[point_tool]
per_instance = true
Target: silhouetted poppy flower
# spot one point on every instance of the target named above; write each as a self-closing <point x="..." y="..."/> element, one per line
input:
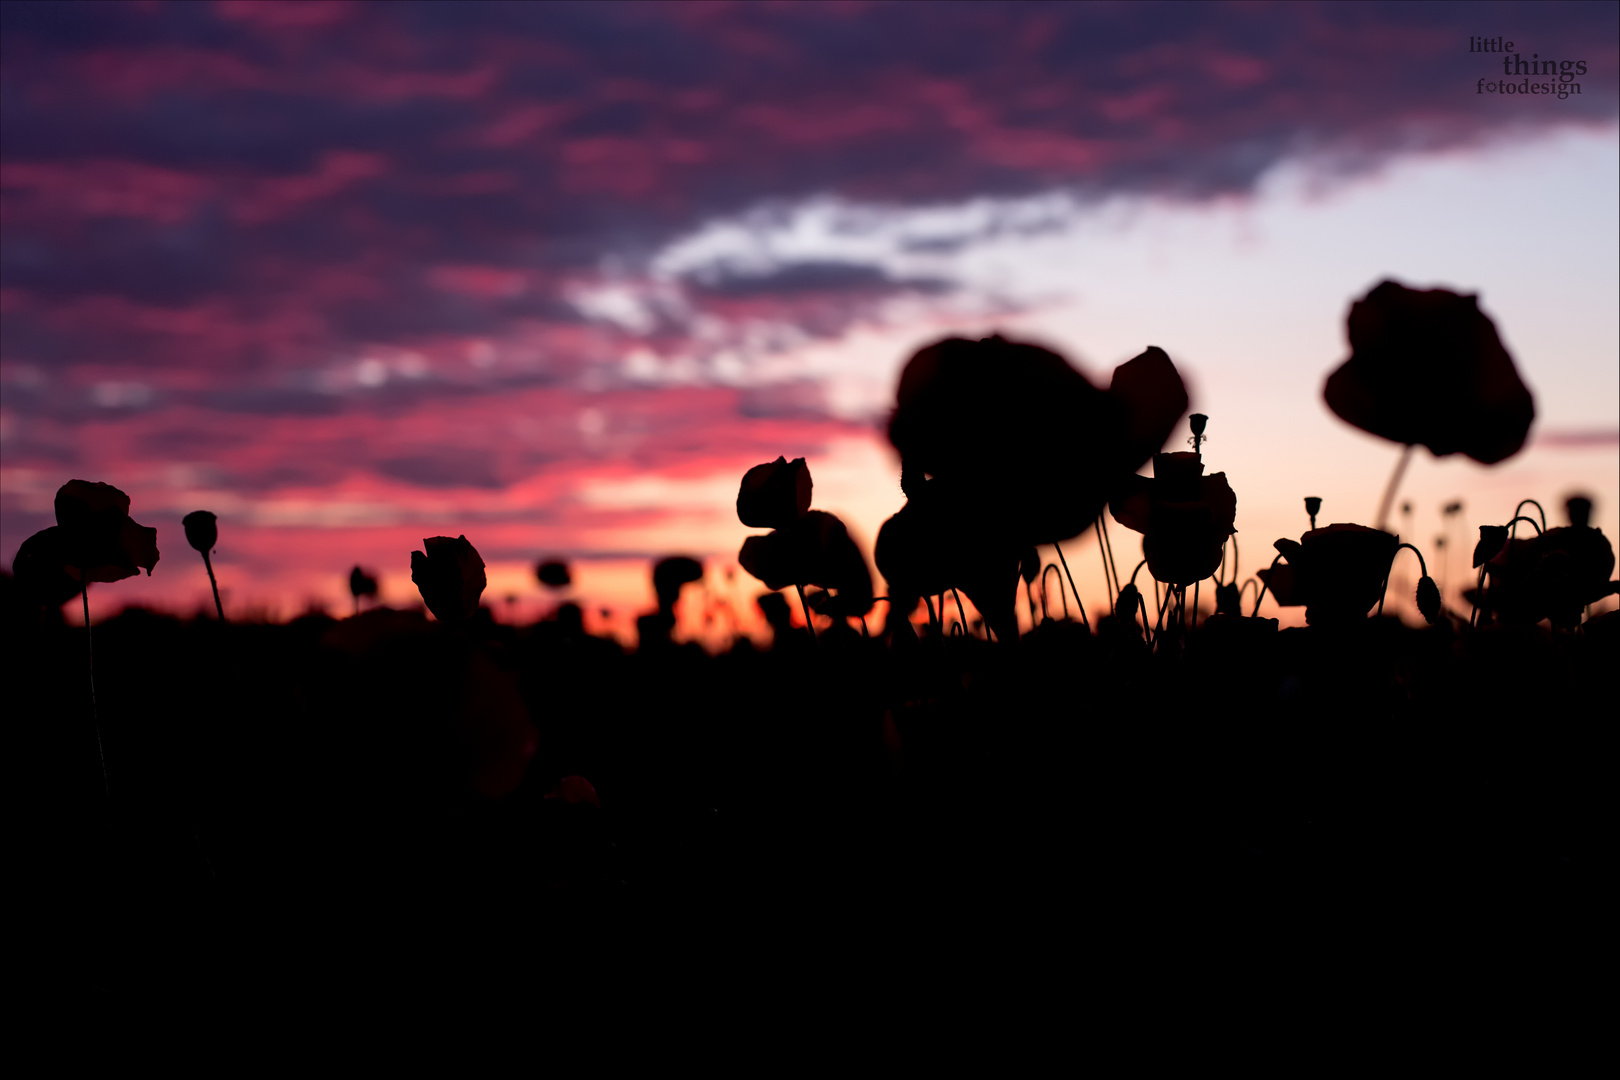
<point x="814" y="550"/>
<point x="1228" y="599"/>
<point x="1184" y="517"/>
<point x="669" y="574"/>
<point x="553" y="574"/>
<point x="202" y="530"/>
<point x="940" y="540"/>
<point x="98" y="540"/>
<point x="1427" y="367"/>
<point x="1127" y="604"/>
<point x="1023" y="437"/>
<point x="774" y="495"/>
<point x="450" y="577"/>
<point x="1337" y="572"/>
<point x="1551" y="576"/>
<point x="38" y="569"/>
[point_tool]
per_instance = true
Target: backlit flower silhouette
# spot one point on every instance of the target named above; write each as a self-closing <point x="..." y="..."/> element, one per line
<point x="1337" y="572"/>
<point x="804" y="547"/>
<point x="450" y="577"/>
<point x="1184" y="517"/>
<point x="97" y="539"/>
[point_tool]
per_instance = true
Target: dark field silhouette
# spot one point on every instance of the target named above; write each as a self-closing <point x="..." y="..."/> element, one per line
<point x="371" y="806"/>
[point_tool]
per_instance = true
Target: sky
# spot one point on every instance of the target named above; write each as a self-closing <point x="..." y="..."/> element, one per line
<point x="553" y="276"/>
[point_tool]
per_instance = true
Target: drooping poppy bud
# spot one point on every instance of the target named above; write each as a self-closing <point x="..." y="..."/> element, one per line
<point x="553" y="574"/>
<point x="1428" y="599"/>
<point x="361" y="584"/>
<point x="1130" y="598"/>
<point x="450" y="577"/>
<point x="202" y="530"/>
<point x="774" y="495"/>
<point x="1492" y="538"/>
<point x="669" y="574"/>
<point x="99" y="541"/>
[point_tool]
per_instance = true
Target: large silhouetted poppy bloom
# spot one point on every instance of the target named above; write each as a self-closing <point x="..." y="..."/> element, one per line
<point x="1337" y="572"/>
<point x="38" y="570"/>
<point x="1551" y="576"/>
<point x="774" y="495"/>
<point x="450" y="577"/>
<point x="939" y="541"/>
<point x="1427" y="367"/>
<point x="1184" y="517"/>
<point x="669" y="574"/>
<point x="97" y="540"/>
<point x="815" y="550"/>
<point x="1025" y="437"/>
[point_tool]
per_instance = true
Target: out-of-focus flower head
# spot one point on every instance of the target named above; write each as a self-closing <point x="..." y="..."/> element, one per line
<point x="553" y="574"/>
<point x="941" y="540"/>
<point x="774" y="495"/>
<point x="202" y="530"/>
<point x="361" y="583"/>
<point x="1025" y="437"/>
<point x="98" y="540"/>
<point x="1184" y="517"/>
<point x="669" y="574"/>
<point x="816" y="549"/>
<point x="1337" y="572"/>
<point x="1427" y="367"/>
<point x="450" y="577"/>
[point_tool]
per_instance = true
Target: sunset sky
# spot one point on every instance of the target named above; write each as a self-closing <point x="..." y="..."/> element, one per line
<point x="553" y="276"/>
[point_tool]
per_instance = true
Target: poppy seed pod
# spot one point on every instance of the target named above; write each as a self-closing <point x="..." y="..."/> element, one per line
<point x="1198" y="422"/>
<point x="1428" y="599"/>
<point x="98" y="539"/>
<point x="1579" y="509"/>
<point x="774" y="495"/>
<point x="450" y="577"/>
<point x="1313" y="505"/>
<point x="553" y="574"/>
<point x="1427" y="367"/>
<point x="202" y="530"/>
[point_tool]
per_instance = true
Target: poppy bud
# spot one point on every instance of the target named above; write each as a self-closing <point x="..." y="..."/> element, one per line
<point x="1125" y="607"/>
<point x="361" y="583"/>
<point x="1198" y="421"/>
<point x="450" y="577"/>
<point x="1029" y="567"/>
<point x="774" y="495"/>
<point x="202" y="530"/>
<point x="1492" y="538"/>
<point x="1579" y="509"/>
<point x="1428" y="599"/>
<point x="1228" y="599"/>
<point x="553" y="574"/>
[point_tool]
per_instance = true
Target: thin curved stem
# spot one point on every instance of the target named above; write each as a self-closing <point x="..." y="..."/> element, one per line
<point x="1050" y="568"/>
<point x="1539" y="510"/>
<point x="1393" y="485"/>
<point x="1138" y="570"/>
<point x="933" y="619"/>
<point x="1423" y="569"/>
<point x="1196" y="584"/>
<point x="1078" y="602"/>
<point x="95" y="712"/>
<point x="1530" y="521"/>
<point x="809" y="616"/>
<point x="960" y="613"/>
<point x="1245" y="588"/>
<point x="1109" y="584"/>
<point x="1233" y="538"/>
<point x="218" y="607"/>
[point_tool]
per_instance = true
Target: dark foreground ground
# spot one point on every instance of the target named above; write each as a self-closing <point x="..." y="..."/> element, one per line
<point x="293" y="817"/>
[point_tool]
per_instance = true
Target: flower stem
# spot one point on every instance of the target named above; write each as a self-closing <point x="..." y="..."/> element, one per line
<point x="218" y="607"/>
<point x="961" y="614"/>
<point x="809" y="619"/>
<point x="1078" y="602"/>
<point x="1394" y="483"/>
<point x="1531" y="502"/>
<point x="1061" y="594"/>
<point x="1264" y="585"/>
<point x="95" y="713"/>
